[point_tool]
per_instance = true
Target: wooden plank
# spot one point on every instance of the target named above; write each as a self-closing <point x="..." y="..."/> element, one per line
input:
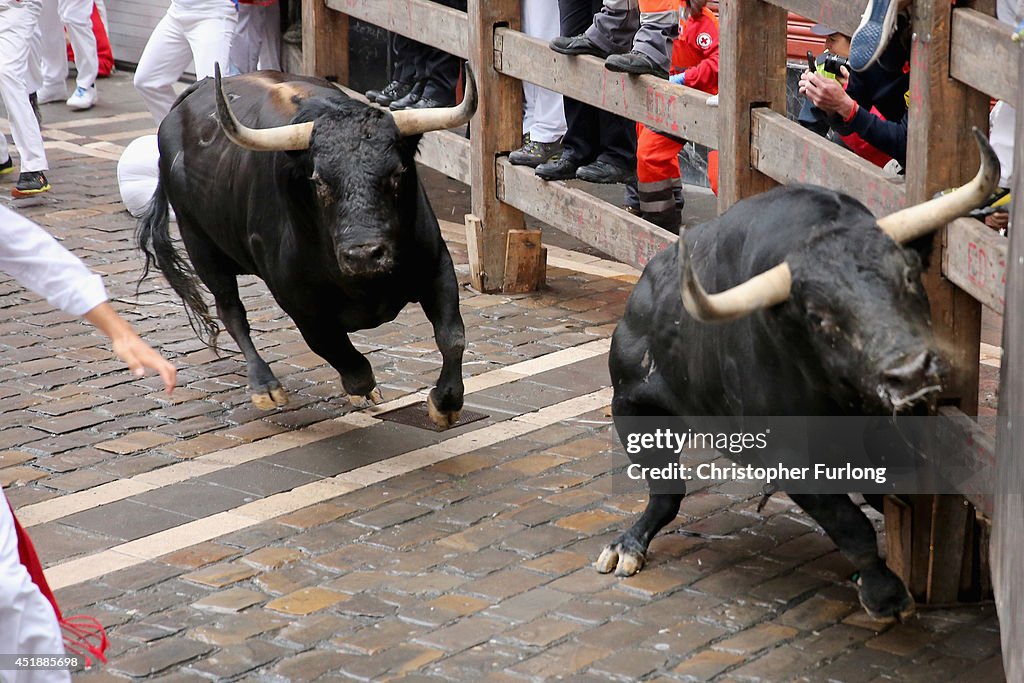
<point x="524" y="262"/>
<point x="920" y="545"/>
<point x="941" y="154"/>
<point x="983" y="56"/>
<point x="496" y="130"/>
<point x="950" y="516"/>
<point x="652" y="101"/>
<point x="1008" y="517"/>
<point x="424" y="21"/>
<point x="474" y="235"/>
<point x="614" y="231"/>
<point x="898" y="529"/>
<point x="789" y="153"/>
<point x="324" y="41"/>
<point x="838" y="15"/>
<point x="974" y="259"/>
<point x="978" y="446"/>
<point x="752" y="74"/>
<point x="446" y="152"/>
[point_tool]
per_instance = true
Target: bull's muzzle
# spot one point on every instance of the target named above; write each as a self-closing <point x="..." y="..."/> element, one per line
<point x="365" y="260"/>
<point x="911" y="379"/>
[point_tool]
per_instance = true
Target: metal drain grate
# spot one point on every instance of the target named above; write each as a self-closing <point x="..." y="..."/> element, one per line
<point x="417" y="416"/>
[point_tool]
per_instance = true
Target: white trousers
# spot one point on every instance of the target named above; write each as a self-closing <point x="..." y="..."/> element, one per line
<point x="28" y="624"/>
<point x="76" y="15"/>
<point x="178" y="39"/>
<point x="257" y="42"/>
<point x="48" y="57"/>
<point x="17" y="25"/>
<point x="543" y="116"/>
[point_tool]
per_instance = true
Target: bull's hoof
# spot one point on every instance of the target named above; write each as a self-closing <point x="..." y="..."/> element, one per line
<point x="624" y="556"/>
<point x="374" y="398"/>
<point x="884" y="596"/>
<point x="269" y="400"/>
<point x="442" y="418"/>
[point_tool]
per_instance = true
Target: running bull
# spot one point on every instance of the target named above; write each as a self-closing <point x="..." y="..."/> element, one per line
<point x="819" y="310"/>
<point x="317" y="195"/>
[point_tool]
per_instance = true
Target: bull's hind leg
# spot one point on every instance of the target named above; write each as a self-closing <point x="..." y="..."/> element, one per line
<point x="627" y="554"/>
<point x="334" y="346"/>
<point x="441" y="306"/>
<point x="218" y="274"/>
<point x="881" y="592"/>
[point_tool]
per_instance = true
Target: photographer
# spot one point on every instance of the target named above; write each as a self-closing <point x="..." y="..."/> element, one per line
<point x="871" y="104"/>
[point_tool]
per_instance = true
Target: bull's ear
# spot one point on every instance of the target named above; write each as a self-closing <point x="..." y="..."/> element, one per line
<point x="407" y="148"/>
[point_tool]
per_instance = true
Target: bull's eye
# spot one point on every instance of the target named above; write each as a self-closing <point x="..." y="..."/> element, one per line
<point x="323" y="190"/>
<point x="395" y="182"/>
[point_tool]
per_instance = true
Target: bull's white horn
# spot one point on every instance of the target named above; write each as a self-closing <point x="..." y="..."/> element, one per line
<point x="419" y="121"/>
<point x="278" y="139"/>
<point x="761" y="291"/>
<point x="916" y="221"/>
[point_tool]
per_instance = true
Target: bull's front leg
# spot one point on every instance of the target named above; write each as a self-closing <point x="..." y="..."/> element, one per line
<point x="336" y="348"/>
<point x="441" y="305"/>
<point x="627" y="554"/>
<point x="881" y="592"/>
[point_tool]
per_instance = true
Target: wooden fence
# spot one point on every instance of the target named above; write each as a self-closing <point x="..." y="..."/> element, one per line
<point x="961" y="58"/>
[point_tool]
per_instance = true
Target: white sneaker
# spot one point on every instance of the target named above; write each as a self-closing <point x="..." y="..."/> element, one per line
<point x="82" y="98"/>
<point x="56" y="93"/>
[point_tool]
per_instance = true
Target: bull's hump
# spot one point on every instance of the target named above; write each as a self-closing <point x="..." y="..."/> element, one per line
<point x="283" y="97"/>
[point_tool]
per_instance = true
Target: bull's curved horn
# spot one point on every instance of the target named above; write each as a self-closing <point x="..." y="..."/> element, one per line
<point x="917" y="221"/>
<point x="277" y="139"/>
<point x="418" y="121"/>
<point x="761" y="291"/>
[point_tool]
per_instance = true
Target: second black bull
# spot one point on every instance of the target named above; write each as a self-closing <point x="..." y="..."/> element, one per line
<point x="818" y="311"/>
<point x="317" y="195"/>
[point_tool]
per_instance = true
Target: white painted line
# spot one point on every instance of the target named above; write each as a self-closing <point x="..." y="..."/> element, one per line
<point x="136" y="552"/>
<point x="62" y="506"/>
<point x="98" y="120"/>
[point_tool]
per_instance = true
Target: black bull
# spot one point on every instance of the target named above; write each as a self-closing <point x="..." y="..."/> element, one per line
<point x="837" y="323"/>
<point x="324" y="204"/>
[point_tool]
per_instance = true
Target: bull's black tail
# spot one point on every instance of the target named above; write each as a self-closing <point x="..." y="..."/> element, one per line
<point x="153" y="237"/>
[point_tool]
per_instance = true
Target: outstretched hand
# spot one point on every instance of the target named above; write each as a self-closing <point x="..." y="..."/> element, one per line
<point x="129" y="347"/>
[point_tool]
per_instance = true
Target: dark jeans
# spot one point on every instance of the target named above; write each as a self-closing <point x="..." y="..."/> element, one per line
<point x="593" y="134"/>
<point x="418" y="62"/>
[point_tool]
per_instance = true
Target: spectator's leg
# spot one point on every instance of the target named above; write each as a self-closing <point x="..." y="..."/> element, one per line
<point x="442" y="69"/>
<point x="659" y="27"/>
<point x="545" y="113"/>
<point x="582" y="124"/>
<point x="270" y="43"/>
<point x="613" y="27"/>
<point x="245" y="47"/>
<point x="658" y="178"/>
<point x="163" y="60"/>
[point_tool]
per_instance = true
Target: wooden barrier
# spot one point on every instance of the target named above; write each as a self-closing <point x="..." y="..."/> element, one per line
<point x="960" y="57"/>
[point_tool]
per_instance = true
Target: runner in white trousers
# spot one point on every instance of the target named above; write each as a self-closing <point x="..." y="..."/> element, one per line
<point x="191" y="30"/>
<point x="76" y="16"/>
<point x="18" y="19"/>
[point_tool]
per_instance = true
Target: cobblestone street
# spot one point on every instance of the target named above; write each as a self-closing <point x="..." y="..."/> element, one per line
<point x="216" y="541"/>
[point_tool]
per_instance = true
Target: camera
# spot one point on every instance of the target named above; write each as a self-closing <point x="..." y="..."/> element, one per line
<point x="832" y="63"/>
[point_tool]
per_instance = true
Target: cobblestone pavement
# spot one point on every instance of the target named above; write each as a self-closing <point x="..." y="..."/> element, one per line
<point x="216" y="541"/>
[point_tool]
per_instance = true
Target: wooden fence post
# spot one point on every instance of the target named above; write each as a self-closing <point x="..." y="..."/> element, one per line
<point x="496" y="129"/>
<point x="939" y="156"/>
<point x="1008" y="516"/>
<point x="324" y="42"/>
<point x="752" y="74"/>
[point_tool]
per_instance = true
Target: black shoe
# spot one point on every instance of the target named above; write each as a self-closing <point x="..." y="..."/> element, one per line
<point x="534" y="153"/>
<point x="30" y="183"/>
<point x="7" y="166"/>
<point x="634" y="63"/>
<point x="427" y="103"/>
<point x="576" y="45"/>
<point x="409" y="99"/>
<point x="603" y="172"/>
<point x="389" y="93"/>
<point x="559" y="169"/>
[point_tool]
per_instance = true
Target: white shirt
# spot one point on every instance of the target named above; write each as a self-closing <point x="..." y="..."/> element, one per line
<point x="32" y="257"/>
